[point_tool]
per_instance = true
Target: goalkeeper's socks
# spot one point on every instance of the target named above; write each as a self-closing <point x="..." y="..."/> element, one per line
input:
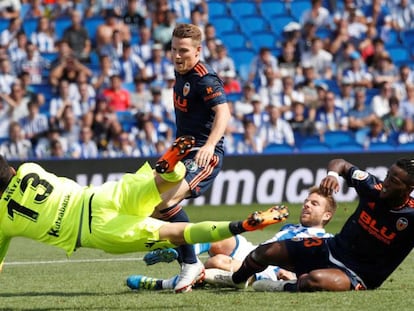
<point x="177" y="174"/>
<point x="207" y="231"/>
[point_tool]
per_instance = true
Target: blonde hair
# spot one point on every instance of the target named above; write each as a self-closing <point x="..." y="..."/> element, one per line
<point x="330" y="201"/>
<point x="188" y="31"/>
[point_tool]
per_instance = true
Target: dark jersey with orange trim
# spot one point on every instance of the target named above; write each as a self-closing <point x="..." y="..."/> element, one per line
<point x="375" y="239"/>
<point x="195" y="93"/>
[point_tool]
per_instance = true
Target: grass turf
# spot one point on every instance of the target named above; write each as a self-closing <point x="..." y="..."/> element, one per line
<point x="40" y="277"/>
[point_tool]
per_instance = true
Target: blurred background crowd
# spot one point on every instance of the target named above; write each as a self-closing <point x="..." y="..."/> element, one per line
<point x="94" y="78"/>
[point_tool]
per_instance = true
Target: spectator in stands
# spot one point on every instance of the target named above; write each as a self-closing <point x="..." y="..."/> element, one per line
<point x="210" y="54"/>
<point x="223" y="62"/>
<point x="8" y="37"/>
<point x="258" y="115"/>
<point x="86" y="147"/>
<point x="70" y="126"/>
<point x="131" y="65"/>
<point x="270" y="92"/>
<point x="144" y="48"/>
<point x="308" y="34"/>
<point x="210" y="38"/>
<point x="243" y="105"/>
<point x="140" y="95"/>
<point x="104" y="31"/>
<point x="104" y="123"/>
<point x="231" y="84"/>
<point x="158" y="66"/>
<point x="133" y="18"/>
<point x="288" y="95"/>
<point x="36" y="9"/>
<point x="101" y="78"/>
<point x="380" y="102"/>
<point x="346" y="99"/>
<point x="44" y="36"/>
<point x="376" y="133"/>
<point x="329" y="117"/>
<point x="66" y="66"/>
<point x="28" y="89"/>
<point x="86" y="102"/>
<point x="379" y="49"/>
<point x="378" y="13"/>
<point x="74" y="87"/>
<point x="402" y="16"/>
<point x="118" y="97"/>
<point x="43" y="149"/>
<point x="34" y="64"/>
<point x="17" y="52"/>
<point x="157" y="111"/>
<point x="393" y="120"/>
<point x="59" y="102"/>
<point x="308" y="88"/>
<point x="122" y="146"/>
<point x="10" y="9"/>
<point x="62" y="9"/>
<point x="405" y="78"/>
<point x="78" y="38"/>
<point x="35" y="124"/>
<point x="288" y="60"/>
<point x="16" y="147"/>
<point x="162" y="32"/>
<point x="407" y="105"/>
<point x="319" y="58"/>
<point x="318" y="14"/>
<point x="57" y="151"/>
<point x="357" y="72"/>
<point x="7" y="76"/>
<point x="407" y="133"/>
<point x="276" y="130"/>
<point x="357" y="26"/>
<point x="251" y="142"/>
<point x="147" y="136"/>
<point x="299" y="120"/>
<point x="16" y="101"/>
<point x="114" y="48"/>
<point x="258" y="65"/>
<point x="4" y="119"/>
<point x="167" y="93"/>
<point x="361" y="115"/>
<point x="340" y="39"/>
<point x="385" y="71"/>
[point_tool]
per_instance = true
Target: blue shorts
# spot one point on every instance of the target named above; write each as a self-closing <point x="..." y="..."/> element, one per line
<point x="198" y="178"/>
<point x="309" y="254"/>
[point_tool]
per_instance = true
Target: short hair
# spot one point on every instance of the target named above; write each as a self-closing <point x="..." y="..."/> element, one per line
<point x="188" y="31"/>
<point x="5" y="174"/>
<point x="407" y="165"/>
<point x="331" y="205"/>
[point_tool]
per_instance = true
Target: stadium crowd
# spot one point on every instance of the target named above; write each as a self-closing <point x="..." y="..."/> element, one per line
<point x="87" y="79"/>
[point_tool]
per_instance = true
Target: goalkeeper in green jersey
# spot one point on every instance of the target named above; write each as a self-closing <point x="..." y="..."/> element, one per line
<point x="114" y="217"/>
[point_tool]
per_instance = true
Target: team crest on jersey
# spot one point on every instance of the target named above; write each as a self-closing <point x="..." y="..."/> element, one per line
<point x="402" y="223"/>
<point x="359" y="175"/>
<point x="186" y="88"/>
<point x="190" y="165"/>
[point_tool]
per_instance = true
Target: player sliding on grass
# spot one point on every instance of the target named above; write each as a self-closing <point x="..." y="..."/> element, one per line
<point x="114" y="217"/>
<point x="317" y="210"/>
<point x="371" y="245"/>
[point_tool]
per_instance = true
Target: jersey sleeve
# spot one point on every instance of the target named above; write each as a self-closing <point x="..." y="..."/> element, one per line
<point x="211" y="90"/>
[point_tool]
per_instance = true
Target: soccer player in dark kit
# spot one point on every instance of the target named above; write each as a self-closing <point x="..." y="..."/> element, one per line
<point x="201" y="111"/>
<point x="371" y="245"/>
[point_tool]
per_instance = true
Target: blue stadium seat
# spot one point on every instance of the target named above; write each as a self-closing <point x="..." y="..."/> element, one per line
<point x="242" y="56"/>
<point x="268" y="8"/>
<point x="348" y="147"/>
<point x="127" y="120"/>
<point x="297" y="7"/>
<point x="253" y="23"/>
<point x="50" y="56"/>
<point x="91" y="24"/>
<point x="398" y="53"/>
<point x="335" y="138"/>
<point x="278" y="149"/>
<point x="278" y="22"/>
<point x="263" y="39"/>
<point x="315" y="148"/>
<point x="60" y="25"/>
<point x="217" y="8"/>
<point x="405" y="147"/>
<point x="241" y="8"/>
<point x="29" y="26"/>
<point x="4" y="23"/>
<point x="234" y="40"/>
<point x="382" y="146"/>
<point x="224" y="23"/>
<point x="408" y="37"/>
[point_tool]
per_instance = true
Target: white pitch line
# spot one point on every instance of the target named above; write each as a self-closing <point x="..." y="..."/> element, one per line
<point x="21" y="263"/>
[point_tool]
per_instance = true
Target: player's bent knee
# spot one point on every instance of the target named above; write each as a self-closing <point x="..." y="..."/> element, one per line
<point x="324" y="280"/>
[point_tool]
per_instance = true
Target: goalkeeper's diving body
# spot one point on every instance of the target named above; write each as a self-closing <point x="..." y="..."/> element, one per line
<point x="113" y="217"/>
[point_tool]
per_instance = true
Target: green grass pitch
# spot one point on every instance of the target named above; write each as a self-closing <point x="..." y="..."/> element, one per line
<point x="40" y="277"/>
